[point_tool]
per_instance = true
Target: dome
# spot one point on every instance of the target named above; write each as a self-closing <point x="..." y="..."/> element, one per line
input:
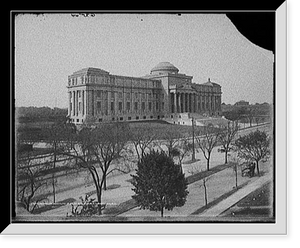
<point x="164" y="67"/>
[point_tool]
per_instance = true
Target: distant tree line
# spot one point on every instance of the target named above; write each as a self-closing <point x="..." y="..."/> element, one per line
<point x="247" y="113"/>
<point x="38" y="114"/>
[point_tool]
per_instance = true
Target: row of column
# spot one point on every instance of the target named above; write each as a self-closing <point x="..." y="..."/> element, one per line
<point x="109" y="100"/>
<point x="76" y="103"/>
<point x="191" y="102"/>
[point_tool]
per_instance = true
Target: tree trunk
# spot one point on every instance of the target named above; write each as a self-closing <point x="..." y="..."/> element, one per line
<point x="53" y="178"/>
<point x="226" y="157"/>
<point x="236" y="176"/>
<point x="257" y="167"/>
<point x="205" y="192"/>
<point x="104" y="183"/>
<point x="207" y="164"/>
<point x="53" y="187"/>
<point x="162" y="211"/>
<point x="99" y="201"/>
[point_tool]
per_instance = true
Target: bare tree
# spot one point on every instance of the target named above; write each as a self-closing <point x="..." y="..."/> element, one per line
<point x="55" y="139"/>
<point x="142" y="138"/>
<point x="204" y="180"/>
<point x="207" y="142"/>
<point x="235" y="161"/>
<point x="110" y="144"/>
<point x="185" y="148"/>
<point x="29" y="181"/>
<point x="253" y="147"/>
<point x="96" y="149"/>
<point x="171" y="138"/>
<point x="226" y="137"/>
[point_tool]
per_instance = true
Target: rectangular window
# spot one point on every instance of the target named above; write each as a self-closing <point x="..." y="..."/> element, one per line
<point x="99" y="93"/>
<point x="98" y="107"/>
<point x="143" y="106"/>
<point x="129" y="118"/>
<point x="135" y="106"/>
<point x="128" y="106"/>
<point x="150" y="106"/>
<point x="127" y="95"/>
<point x="104" y="94"/>
<point x="137" y="117"/>
<point x="120" y="106"/>
<point x="112" y="106"/>
<point x="120" y="95"/>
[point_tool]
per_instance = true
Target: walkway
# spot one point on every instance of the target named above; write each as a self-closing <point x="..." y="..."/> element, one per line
<point x="216" y="210"/>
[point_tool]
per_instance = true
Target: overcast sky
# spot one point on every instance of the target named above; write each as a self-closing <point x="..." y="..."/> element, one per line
<point x="50" y="47"/>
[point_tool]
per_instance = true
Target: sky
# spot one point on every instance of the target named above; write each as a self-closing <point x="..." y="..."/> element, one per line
<point x="52" y="46"/>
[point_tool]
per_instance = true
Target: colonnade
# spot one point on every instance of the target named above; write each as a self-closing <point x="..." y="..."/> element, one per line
<point x="77" y="102"/>
<point x="194" y="103"/>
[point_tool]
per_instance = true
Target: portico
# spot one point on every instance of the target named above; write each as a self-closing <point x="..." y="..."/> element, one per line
<point x="195" y="98"/>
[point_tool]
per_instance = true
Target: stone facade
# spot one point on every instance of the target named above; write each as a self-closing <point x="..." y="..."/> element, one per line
<point x="96" y="96"/>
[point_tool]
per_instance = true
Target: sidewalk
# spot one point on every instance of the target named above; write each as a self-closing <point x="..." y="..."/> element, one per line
<point x="218" y="185"/>
<point x="234" y="198"/>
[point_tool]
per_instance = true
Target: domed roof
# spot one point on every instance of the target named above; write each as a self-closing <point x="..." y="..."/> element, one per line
<point x="163" y="67"/>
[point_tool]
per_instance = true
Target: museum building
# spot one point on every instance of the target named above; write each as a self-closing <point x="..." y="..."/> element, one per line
<point x="97" y="96"/>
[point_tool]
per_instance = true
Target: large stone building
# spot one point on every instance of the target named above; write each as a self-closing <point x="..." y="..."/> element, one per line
<point x="96" y="96"/>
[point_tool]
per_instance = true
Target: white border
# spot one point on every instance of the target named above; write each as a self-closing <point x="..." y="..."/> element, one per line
<point x="277" y="228"/>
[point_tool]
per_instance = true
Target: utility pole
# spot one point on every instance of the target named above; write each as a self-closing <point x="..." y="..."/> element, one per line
<point x="193" y="154"/>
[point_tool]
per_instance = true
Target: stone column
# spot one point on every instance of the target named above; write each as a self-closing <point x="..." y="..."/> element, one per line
<point x="170" y="102"/>
<point x="193" y="103"/>
<point x="93" y="102"/>
<point x="183" y="102"/>
<point x="175" y="102"/>
<point x="69" y="103"/>
<point x="116" y="102"/>
<point x="179" y="102"/>
<point x="189" y="102"/>
<point x="73" y="102"/>
<point x="186" y="102"/>
<point x="83" y="103"/>
<point x="76" y="103"/>
<point x="196" y="103"/>
<point x="108" y="102"/>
